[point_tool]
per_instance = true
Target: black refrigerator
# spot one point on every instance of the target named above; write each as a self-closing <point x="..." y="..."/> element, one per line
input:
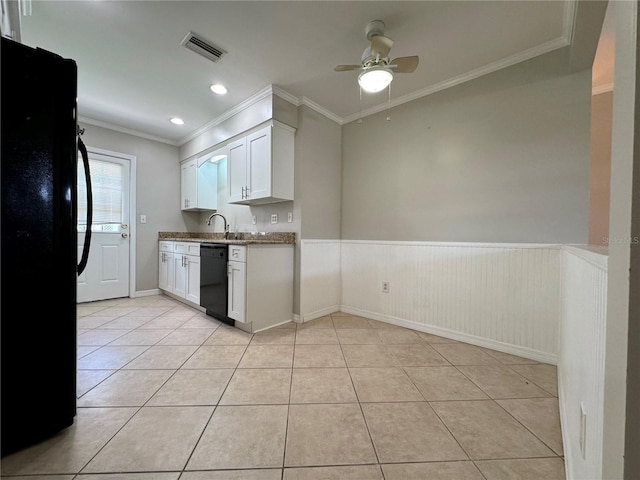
<point x="39" y="252"/>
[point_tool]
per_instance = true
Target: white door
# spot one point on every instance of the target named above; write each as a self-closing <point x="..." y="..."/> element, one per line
<point x="107" y="273"/>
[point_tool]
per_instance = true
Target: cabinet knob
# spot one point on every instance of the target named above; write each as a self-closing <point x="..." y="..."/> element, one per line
<point x="124" y="235"/>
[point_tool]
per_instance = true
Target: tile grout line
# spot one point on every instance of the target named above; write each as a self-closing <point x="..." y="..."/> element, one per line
<point x="495" y="400"/>
<point x="215" y="407"/>
<point x="290" y="392"/>
<point x="364" y="418"/>
<point x="286" y="427"/>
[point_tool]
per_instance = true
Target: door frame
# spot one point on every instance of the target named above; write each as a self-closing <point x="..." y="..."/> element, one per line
<point x="132" y="210"/>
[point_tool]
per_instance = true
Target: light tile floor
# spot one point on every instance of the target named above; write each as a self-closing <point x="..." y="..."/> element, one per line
<point x="166" y="393"/>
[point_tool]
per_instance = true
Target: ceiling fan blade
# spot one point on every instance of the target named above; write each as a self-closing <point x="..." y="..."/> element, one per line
<point x="346" y="68"/>
<point x="381" y="45"/>
<point x="404" y="64"/>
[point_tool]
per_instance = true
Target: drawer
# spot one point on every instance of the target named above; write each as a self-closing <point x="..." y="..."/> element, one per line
<point x="238" y="253"/>
<point x="166" y="246"/>
<point x="188" y="248"/>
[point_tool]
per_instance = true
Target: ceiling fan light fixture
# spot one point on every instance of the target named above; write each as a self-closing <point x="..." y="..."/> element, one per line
<point x="375" y="79"/>
<point x="218" y="89"/>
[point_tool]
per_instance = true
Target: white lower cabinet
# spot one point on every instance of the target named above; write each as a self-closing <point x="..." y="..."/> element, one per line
<point x="165" y="266"/>
<point x="236" y="304"/>
<point x="179" y="269"/>
<point x="260" y="285"/>
<point x="260" y="281"/>
<point x="192" y="287"/>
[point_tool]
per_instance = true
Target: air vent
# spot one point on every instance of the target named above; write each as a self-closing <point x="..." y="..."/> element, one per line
<point x="203" y="47"/>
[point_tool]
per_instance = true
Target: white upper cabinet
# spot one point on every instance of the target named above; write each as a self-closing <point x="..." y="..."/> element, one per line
<point x="260" y="166"/>
<point x="189" y="184"/>
<point x="237" y="171"/>
<point x="199" y="184"/>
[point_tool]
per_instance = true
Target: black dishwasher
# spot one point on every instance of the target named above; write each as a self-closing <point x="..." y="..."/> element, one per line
<point x="213" y="280"/>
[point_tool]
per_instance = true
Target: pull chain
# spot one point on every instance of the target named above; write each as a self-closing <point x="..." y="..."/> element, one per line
<point x="360" y="112"/>
<point x="389" y="105"/>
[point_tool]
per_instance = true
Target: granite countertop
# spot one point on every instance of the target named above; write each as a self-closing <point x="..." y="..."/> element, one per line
<point x="243" y="238"/>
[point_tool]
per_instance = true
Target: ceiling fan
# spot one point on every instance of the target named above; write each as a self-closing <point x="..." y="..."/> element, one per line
<point x="377" y="69"/>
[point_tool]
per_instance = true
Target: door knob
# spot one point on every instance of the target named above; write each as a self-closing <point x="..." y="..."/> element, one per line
<point x="124" y="235"/>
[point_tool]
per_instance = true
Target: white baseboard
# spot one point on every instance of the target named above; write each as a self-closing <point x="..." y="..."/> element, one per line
<point x="454" y="335"/>
<point x="566" y="444"/>
<point x="272" y="326"/>
<point x="147" y="293"/>
<point x="320" y="313"/>
<point x="183" y="300"/>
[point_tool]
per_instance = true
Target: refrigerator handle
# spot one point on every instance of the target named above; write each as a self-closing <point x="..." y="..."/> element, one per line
<point x="87" y="234"/>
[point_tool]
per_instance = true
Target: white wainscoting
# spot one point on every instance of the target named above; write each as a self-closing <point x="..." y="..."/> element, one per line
<point x="581" y="363"/>
<point x="545" y="302"/>
<point x="320" y="281"/>
<point x="500" y="296"/>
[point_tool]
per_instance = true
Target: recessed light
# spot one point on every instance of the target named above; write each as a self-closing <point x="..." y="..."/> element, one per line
<point x="219" y="89"/>
<point x="177" y="121"/>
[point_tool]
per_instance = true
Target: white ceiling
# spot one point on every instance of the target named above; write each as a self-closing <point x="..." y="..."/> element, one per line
<point x="134" y="74"/>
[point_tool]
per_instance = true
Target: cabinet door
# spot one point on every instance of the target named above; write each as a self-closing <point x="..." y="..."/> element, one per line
<point x="207" y="185"/>
<point x="237" y="171"/>
<point x="179" y="275"/>
<point x="259" y="161"/>
<point x="192" y="289"/>
<point x="189" y="185"/>
<point x="165" y="271"/>
<point x="237" y="291"/>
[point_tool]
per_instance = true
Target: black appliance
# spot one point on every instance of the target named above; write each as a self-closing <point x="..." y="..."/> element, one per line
<point x="39" y="244"/>
<point x="214" y="280"/>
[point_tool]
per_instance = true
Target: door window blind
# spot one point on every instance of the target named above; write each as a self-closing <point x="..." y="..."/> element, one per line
<point x="106" y="183"/>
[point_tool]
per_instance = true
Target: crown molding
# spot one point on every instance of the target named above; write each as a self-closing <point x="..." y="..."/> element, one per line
<point x="465" y="77"/>
<point x="569" y="14"/>
<point x="607" y="87"/>
<point x="256" y="97"/>
<point x="569" y="20"/>
<point x="279" y="92"/>
<point x="321" y="110"/>
<point x="128" y="131"/>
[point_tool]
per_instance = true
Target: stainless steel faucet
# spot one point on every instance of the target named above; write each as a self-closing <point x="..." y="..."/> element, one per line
<point x="226" y="225"/>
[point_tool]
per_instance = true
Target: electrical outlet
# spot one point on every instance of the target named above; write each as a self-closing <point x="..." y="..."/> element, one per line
<point x="289" y="217"/>
<point x="385" y="287"/>
<point x="254" y="220"/>
<point x="143" y="219"/>
<point x="274" y="218"/>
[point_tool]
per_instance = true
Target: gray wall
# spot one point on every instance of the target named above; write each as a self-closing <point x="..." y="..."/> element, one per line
<point x="157" y="194"/>
<point x="319" y="169"/>
<point x="503" y="158"/>
<point x="317" y="174"/>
